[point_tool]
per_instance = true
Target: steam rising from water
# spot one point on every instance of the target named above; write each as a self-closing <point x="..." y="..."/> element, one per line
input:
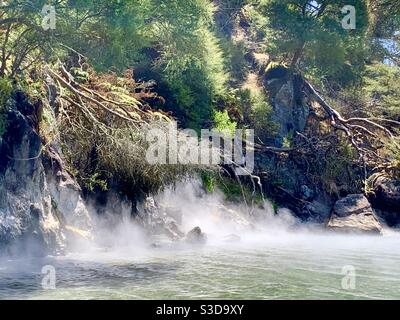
<point x="226" y="225"/>
<point x="216" y="218"/>
<point x="275" y="259"/>
<point x="256" y="227"/>
<point x="196" y="208"/>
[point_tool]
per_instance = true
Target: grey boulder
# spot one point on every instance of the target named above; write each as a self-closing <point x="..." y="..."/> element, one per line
<point x="354" y="214"/>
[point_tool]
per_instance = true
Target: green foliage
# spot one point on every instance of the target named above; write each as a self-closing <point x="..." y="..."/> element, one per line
<point x="275" y="206"/>
<point x="309" y="35"/>
<point x="288" y="140"/>
<point x="338" y="174"/>
<point x="382" y="87"/>
<point x="111" y="33"/>
<point x="104" y="151"/>
<point x="197" y="84"/>
<point x="385" y="18"/>
<point x="5" y="92"/>
<point x="260" y="117"/>
<point x="257" y="112"/>
<point x="180" y="28"/>
<point x="230" y="188"/>
<point x="79" y="74"/>
<point x="235" y="192"/>
<point x="208" y="180"/>
<point x="393" y="147"/>
<point x="94" y="182"/>
<point x="116" y="35"/>
<point x="236" y="63"/>
<point x="223" y="123"/>
<point x="258" y="20"/>
<point x="33" y="87"/>
<point x="179" y="43"/>
<point x="49" y="130"/>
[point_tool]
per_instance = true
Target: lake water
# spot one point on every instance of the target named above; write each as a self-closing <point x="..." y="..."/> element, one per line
<point x="276" y="265"/>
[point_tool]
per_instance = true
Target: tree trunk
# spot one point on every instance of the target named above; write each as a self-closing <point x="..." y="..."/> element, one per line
<point x="297" y="55"/>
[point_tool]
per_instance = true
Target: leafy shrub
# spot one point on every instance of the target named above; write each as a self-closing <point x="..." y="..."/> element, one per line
<point x="106" y="150"/>
<point x="196" y="84"/>
<point x="208" y="180"/>
<point x="5" y="90"/>
<point x="338" y="173"/>
<point x="223" y="123"/>
<point x="230" y="188"/>
<point x="381" y="84"/>
<point x="394" y="149"/>
<point x="257" y="113"/>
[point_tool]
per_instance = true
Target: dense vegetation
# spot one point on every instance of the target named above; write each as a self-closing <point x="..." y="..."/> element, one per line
<point x="196" y="60"/>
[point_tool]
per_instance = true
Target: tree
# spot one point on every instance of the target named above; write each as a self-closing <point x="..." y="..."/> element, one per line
<point x="22" y="38"/>
<point x="382" y="87"/>
<point x="309" y="36"/>
<point x="173" y="38"/>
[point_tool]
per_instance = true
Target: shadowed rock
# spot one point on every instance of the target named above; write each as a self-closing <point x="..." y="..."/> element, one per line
<point x="196" y="236"/>
<point x="386" y="198"/>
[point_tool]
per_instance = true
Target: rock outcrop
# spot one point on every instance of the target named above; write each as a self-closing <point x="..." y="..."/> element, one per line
<point x="42" y="207"/>
<point x="196" y="236"/>
<point x="385" y="197"/>
<point x="159" y="220"/>
<point x="354" y="214"/>
<point x="27" y="214"/>
<point x="290" y="112"/>
<point x="38" y="198"/>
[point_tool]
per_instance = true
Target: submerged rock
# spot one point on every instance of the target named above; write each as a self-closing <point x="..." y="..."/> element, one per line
<point x="196" y="236"/>
<point x="354" y="214"/>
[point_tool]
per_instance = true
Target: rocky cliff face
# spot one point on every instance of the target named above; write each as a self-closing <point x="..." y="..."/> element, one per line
<point x="42" y="206"/>
<point x="38" y="198"/>
<point x="290" y="111"/>
<point x="288" y="177"/>
<point x="285" y="175"/>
